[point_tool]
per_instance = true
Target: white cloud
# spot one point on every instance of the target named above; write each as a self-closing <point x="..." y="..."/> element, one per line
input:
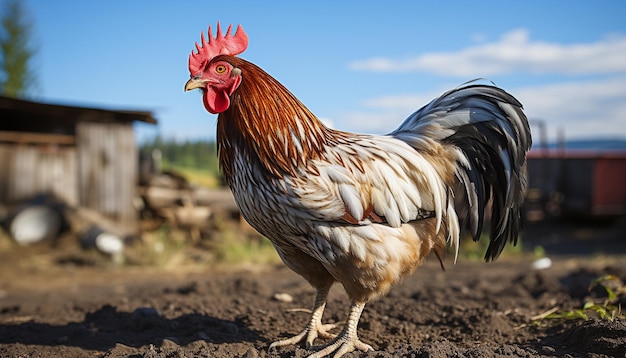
<point x="384" y="114"/>
<point x="591" y="103"/>
<point x="592" y="108"/>
<point x="580" y="108"/>
<point x="513" y="52"/>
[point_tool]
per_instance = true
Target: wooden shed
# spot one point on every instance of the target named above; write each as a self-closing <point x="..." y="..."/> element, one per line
<point x="85" y="157"/>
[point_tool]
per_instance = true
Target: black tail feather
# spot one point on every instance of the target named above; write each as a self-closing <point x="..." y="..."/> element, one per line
<point x="491" y="132"/>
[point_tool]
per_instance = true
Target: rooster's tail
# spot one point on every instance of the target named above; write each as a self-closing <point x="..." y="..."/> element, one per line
<point x="491" y="135"/>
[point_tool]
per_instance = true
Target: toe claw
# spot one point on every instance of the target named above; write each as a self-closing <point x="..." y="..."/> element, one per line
<point x="308" y="335"/>
<point x="285" y="342"/>
<point x="340" y="346"/>
<point x="321" y="332"/>
<point x="363" y="346"/>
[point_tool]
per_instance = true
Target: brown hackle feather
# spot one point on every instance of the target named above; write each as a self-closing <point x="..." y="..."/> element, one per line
<point x="261" y="119"/>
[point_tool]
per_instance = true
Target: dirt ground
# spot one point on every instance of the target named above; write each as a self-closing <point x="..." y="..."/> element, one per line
<point x="55" y="305"/>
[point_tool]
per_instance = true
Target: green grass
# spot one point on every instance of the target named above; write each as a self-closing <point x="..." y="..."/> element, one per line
<point x="202" y="177"/>
<point x="607" y="308"/>
<point x="227" y="247"/>
<point x="160" y="248"/>
<point x="233" y="249"/>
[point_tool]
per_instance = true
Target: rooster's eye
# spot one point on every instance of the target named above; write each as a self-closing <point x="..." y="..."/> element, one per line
<point x="220" y="69"/>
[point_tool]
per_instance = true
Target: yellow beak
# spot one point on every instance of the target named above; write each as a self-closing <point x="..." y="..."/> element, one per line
<point x="194" y="83"/>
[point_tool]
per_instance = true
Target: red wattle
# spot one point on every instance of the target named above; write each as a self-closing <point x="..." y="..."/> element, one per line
<point x="216" y="101"/>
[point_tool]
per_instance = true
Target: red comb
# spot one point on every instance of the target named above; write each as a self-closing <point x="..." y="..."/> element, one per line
<point x="220" y="45"/>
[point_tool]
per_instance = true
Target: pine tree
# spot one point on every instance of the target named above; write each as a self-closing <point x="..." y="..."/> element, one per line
<point x="16" y="75"/>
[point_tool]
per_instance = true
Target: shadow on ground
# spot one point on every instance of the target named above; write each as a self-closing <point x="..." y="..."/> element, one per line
<point x="107" y="327"/>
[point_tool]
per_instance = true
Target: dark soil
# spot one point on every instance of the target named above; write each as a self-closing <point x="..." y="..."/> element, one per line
<point x="473" y="309"/>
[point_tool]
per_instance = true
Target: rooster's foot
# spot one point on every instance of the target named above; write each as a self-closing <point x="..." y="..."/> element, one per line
<point x="341" y="345"/>
<point x="308" y="335"/>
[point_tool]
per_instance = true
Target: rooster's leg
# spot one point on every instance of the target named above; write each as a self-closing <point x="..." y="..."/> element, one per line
<point x="315" y="328"/>
<point x="348" y="340"/>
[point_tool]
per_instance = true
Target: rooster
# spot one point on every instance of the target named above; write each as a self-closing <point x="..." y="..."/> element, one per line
<point x="361" y="210"/>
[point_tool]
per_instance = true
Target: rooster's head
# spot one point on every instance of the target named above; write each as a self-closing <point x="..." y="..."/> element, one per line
<point x="216" y="78"/>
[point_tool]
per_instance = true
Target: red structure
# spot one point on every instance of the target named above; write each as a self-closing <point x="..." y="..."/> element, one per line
<point x="577" y="183"/>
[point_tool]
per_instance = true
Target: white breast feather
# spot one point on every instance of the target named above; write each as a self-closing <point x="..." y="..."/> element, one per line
<point x="397" y="181"/>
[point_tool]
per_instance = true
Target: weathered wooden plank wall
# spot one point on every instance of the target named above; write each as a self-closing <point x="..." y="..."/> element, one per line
<point x="107" y="157"/>
<point x="29" y="170"/>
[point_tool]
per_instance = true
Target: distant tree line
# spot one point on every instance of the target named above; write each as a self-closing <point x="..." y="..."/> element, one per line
<point x="200" y="154"/>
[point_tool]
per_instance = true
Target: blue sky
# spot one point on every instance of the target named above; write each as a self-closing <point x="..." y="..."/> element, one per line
<point x="361" y="65"/>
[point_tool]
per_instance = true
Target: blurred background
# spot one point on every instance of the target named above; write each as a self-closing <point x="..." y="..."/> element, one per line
<point x="105" y="160"/>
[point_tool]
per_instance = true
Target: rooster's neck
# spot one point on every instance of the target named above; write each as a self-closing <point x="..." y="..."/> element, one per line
<point x="270" y="126"/>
